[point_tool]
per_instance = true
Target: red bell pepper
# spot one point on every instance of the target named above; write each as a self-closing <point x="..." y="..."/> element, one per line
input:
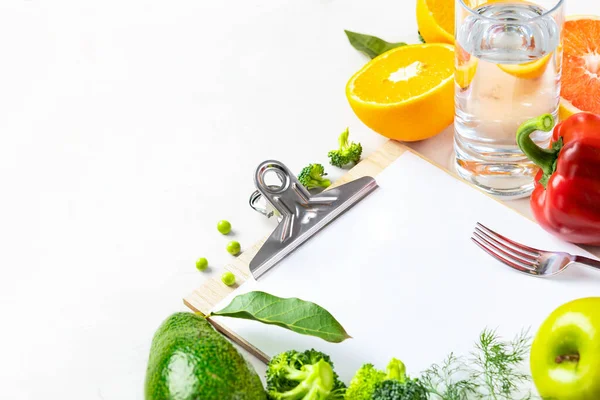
<point x="566" y="197"/>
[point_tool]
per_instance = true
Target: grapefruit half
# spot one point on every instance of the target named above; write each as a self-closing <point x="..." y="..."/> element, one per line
<point x="581" y="66"/>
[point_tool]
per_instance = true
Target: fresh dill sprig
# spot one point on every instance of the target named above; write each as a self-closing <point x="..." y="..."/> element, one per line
<point x="441" y="380"/>
<point x="497" y="365"/>
<point x="493" y="371"/>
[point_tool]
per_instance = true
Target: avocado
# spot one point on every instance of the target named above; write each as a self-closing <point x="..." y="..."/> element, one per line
<point x="189" y="360"/>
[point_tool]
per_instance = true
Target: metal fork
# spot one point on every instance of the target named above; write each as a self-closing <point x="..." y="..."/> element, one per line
<point x="523" y="258"/>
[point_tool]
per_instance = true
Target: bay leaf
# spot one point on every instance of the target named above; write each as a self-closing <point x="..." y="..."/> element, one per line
<point x="297" y="315"/>
<point x="372" y="46"/>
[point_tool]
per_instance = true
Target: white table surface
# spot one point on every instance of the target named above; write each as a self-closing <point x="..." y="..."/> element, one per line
<point x="128" y="129"/>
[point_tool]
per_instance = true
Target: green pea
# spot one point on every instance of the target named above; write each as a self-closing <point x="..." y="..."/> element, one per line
<point x="234" y="248"/>
<point x="202" y="264"/>
<point x="228" y="278"/>
<point x="224" y="227"/>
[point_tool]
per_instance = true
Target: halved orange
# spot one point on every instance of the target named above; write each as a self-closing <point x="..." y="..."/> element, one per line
<point x="406" y="93"/>
<point x="581" y="66"/>
<point x="435" y="19"/>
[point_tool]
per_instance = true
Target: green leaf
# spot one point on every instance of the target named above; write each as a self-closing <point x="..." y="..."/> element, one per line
<point x="421" y="38"/>
<point x="294" y="314"/>
<point x="370" y="45"/>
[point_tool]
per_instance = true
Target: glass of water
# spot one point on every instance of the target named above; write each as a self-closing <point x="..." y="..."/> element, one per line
<point x="508" y="66"/>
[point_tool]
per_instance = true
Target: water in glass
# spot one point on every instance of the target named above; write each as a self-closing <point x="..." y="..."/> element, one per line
<point x="508" y="64"/>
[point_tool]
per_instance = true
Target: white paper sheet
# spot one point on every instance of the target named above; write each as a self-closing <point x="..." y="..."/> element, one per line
<point x="400" y="272"/>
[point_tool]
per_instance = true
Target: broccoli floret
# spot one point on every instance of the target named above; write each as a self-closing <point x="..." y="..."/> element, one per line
<point x="396" y="390"/>
<point x="305" y="375"/>
<point x="362" y="386"/>
<point x="312" y="177"/>
<point x="348" y="153"/>
<point x="363" y="383"/>
<point x="395" y="370"/>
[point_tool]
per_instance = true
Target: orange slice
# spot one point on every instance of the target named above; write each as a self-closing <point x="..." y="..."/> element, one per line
<point x="435" y="19"/>
<point x="530" y="70"/>
<point x="466" y="67"/>
<point x="406" y="93"/>
<point x="465" y="73"/>
<point x="581" y="66"/>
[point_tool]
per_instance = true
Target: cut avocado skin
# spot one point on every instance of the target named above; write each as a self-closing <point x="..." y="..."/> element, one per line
<point x="189" y="360"/>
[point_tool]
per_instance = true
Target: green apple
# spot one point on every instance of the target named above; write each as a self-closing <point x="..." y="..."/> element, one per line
<point x="565" y="354"/>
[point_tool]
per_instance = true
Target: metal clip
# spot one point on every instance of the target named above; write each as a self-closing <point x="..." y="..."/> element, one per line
<point x="301" y="215"/>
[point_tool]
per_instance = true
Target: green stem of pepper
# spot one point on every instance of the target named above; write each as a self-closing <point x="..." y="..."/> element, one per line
<point x="543" y="158"/>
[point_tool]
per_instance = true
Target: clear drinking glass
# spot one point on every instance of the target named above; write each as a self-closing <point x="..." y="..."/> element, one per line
<point x="508" y="66"/>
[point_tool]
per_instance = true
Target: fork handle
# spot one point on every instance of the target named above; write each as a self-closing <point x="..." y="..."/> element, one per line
<point x="587" y="261"/>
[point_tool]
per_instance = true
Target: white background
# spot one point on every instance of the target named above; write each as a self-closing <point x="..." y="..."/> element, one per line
<point x="127" y="130"/>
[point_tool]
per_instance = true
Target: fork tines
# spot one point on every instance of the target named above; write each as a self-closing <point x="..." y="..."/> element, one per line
<point x="511" y="253"/>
